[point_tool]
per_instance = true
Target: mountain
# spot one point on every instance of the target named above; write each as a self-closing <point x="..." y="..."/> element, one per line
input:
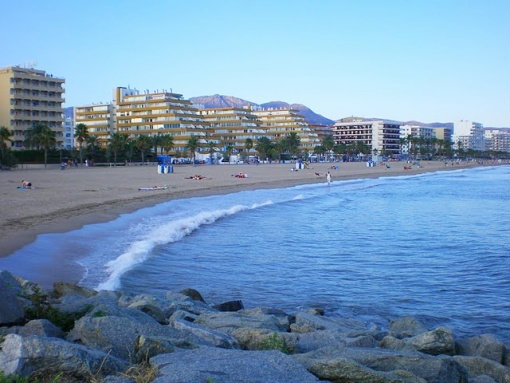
<point x="221" y="101"/>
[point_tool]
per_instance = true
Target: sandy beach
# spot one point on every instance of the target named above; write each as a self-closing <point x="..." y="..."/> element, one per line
<point x="63" y="200"/>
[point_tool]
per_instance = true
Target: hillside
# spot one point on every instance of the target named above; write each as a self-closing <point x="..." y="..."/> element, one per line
<point x="221" y="101"/>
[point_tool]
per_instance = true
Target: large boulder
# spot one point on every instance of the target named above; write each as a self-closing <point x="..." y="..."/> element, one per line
<point x="485" y="345"/>
<point x="476" y="365"/>
<point x="80" y="304"/>
<point x="433" y="369"/>
<point x="406" y="327"/>
<point x="38" y="327"/>
<point x="229" y="306"/>
<point x="306" y="322"/>
<point x="24" y="356"/>
<point x="436" y="342"/>
<point x="12" y="306"/>
<point x="229" y="321"/>
<point x="193" y="294"/>
<point x="65" y="288"/>
<point x="150" y="306"/>
<point x="204" y="335"/>
<point x="229" y="366"/>
<point x="176" y="301"/>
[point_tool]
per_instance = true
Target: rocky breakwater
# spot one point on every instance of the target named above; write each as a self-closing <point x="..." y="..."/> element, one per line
<point x="75" y="334"/>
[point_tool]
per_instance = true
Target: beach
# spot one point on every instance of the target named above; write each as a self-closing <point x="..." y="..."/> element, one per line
<point x="63" y="200"/>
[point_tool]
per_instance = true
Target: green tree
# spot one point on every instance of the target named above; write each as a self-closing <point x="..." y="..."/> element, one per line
<point x="248" y="144"/>
<point x="263" y="147"/>
<point x="167" y="143"/>
<point x="5" y="138"/>
<point x="328" y="142"/>
<point x="193" y="146"/>
<point x="212" y="148"/>
<point x="41" y="137"/>
<point x="81" y="135"/>
<point x="143" y="143"/>
<point x="293" y="141"/>
<point x="117" y="144"/>
<point x="92" y="146"/>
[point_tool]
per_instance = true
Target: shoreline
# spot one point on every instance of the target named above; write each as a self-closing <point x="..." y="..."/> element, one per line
<point x="66" y="200"/>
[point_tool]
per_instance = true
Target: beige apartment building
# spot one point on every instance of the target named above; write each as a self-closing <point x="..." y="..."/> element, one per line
<point x="99" y="119"/>
<point x="232" y="126"/>
<point x="279" y="123"/>
<point x="160" y="113"/>
<point x="27" y="97"/>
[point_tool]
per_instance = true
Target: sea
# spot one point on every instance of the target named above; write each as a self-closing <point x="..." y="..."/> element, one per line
<point x="434" y="245"/>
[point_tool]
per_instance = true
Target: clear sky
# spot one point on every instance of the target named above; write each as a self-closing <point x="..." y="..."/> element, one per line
<point x="425" y="60"/>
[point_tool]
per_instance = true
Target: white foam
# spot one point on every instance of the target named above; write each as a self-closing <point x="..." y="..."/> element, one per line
<point x="169" y="232"/>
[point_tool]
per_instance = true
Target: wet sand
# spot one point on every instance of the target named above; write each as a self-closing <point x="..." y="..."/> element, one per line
<point x="63" y="200"/>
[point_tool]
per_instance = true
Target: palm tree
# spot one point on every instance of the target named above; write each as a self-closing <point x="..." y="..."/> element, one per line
<point x="328" y="143"/>
<point x="263" y="147"/>
<point x="92" y="146"/>
<point x="248" y="144"/>
<point x="41" y="137"/>
<point x="81" y="135"/>
<point x="5" y="136"/>
<point x="143" y="144"/>
<point x="229" y="149"/>
<point x="118" y="143"/>
<point x="193" y="146"/>
<point x="157" y="140"/>
<point x="212" y="148"/>
<point x="167" y="143"/>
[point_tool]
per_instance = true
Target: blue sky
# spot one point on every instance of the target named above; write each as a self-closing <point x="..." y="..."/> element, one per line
<point x="425" y="60"/>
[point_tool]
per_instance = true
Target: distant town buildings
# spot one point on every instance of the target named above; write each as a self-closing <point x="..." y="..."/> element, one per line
<point x="68" y="128"/>
<point x="468" y="135"/>
<point x="27" y="97"/>
<point x="382" y="136"/>
<point x="497" y="139"/>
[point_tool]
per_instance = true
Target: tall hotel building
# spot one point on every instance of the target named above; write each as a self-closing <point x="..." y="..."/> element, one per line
<point x="99" y="119"/>
<point x="469" y="134"/>
<point x="232" y="126"/>
<point x="28" y="97"/>
<point x="279" y="123"/>
<point x="382" y="135"/>
<point x="159" y="113"/>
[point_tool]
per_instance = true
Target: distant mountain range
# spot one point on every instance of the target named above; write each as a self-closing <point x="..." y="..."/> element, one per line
<point x="221" y="101"/>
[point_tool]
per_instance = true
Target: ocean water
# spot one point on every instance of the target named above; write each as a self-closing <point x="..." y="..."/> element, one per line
<point x="436" y="246"/>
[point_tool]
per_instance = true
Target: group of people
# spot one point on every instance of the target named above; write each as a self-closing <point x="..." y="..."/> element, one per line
<point x="240" y="175"/>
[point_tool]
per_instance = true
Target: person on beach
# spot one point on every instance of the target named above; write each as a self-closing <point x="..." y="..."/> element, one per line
<point x="26" y="184"/>
<point x="328" y="178"/>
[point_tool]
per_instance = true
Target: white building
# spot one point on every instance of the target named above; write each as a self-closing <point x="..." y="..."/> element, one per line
<point x="418" y="131"/>
<point x="497" y="139"/>
<point x="68" y="128"/>
<point x="473" y="130"/>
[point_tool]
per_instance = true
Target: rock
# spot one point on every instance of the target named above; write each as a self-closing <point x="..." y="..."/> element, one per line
<point x="12" y="307"/>
<point x="392" y="343"/>
<point x="229" y="366"/>
<point x="476" y="365"/>
<point x="176" y="301"/>
<point x="284" y="318"/>
<point x="115" y="329"/>
<point x="206" y="336"/>
<point x="228" y="321"/>
<point x="436" y="342"/>
<point x="316" y="311"/>
<point x="181" y="314"/>
<point x="506" y="356"/>
<point x="305" y="322"/>
<point x="149" y="305"/>
<point x="481" y="379"/>
<point x="39" y="327"/>
<point x="251" y="338"/>
<point x="24" y="356"/>
<point x="434" y="369"/>
<point x="485" y="345"/>
<point x="193" y="294"/>
<point x="148" y="346"/>
<point x="65" y="288"/>
<point x="80" y="304"/>
<point x="229" y="306"/>
<point x="406" y="327"/>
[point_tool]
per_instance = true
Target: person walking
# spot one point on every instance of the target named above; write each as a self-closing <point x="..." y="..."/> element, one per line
<point x="328" y="178"/>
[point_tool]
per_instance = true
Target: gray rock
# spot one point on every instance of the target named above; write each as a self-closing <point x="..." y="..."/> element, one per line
<point x="229" y="306"/>
<point x="65" y="288"/>
<point x="206" y="336"/>
<point x="184" y="315"/>
<point x="485" y="345"/>
<point x="176" y="301"/>
<point x="307" y="322"/>
<point x="23" y="356"/>
<point x="115" y="329"/>
<point x="193" y="294"/>
<point x="406" y="327"/>
<point x="481" y="379"/>
<point x="284" y="318"/>
<point x="316" y="311"/>
<point x="476" y="365"/>
<point x="228" y="321"/>
<point x="148" y="346"/>
<point x="229" y="366"/>
<point x="80" y="304"/>
<point x="150" y="306"/>
<point x="433" y="369"/>
<point x="436" y="342"/>
<point x="12" y="307"/>
<point x="38" y="327"/>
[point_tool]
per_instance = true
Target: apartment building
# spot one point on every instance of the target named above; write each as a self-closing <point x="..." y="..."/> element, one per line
<point x="497" y="139"/>
<point x="279" y="123"/>
<point x="99" y="119"/>
<point x="68" y="128"/>
<point x="321" y="130"/>
<point x="232" y="126"/>
<point x="380" y="135"/>
<point x="160" y="113"/>
<point x="444" y="134"/>
<point x="424" y="132"/>
<point x="29" y="96"/>
<point x="473" y="130"/>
